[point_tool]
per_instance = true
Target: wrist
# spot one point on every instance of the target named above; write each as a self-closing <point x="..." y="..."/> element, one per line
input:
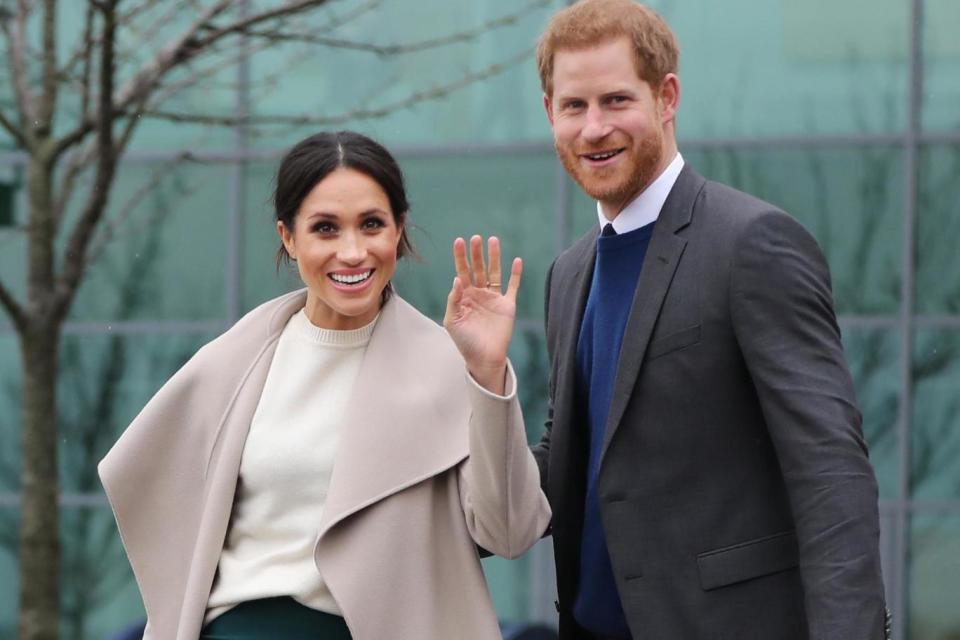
<point x="491" y="377"/>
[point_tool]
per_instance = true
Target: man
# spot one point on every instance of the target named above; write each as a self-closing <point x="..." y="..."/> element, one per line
<point x="703" y="454"/>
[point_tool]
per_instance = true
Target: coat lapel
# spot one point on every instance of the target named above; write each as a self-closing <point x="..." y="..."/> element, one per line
<point x="407" y="417"/>
<point x="659" y="265"/>
<point x="223" y="467"/>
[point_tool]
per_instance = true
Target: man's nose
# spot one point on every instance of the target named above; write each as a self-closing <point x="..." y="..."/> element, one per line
<point x="596" y="126"/>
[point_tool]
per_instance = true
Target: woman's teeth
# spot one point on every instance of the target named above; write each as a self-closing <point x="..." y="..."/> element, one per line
<point x="351" y="279"/>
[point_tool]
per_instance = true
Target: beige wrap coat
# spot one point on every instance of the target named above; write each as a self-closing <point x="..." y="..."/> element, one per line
<point x="429" y="466"/>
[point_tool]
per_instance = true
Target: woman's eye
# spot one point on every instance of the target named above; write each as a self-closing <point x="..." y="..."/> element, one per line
<point x="373" y="223"/>
<point x="323" y="227"/>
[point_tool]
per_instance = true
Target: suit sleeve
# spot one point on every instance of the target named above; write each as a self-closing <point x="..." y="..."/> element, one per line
<point x="506" y="512"/>
<point x="783" y="317"/>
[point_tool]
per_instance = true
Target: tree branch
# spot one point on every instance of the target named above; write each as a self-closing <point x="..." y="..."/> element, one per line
<point x="398" y="49"/>
<point x="49" y="74"/>
<point x="14" y="309"/>
<point x="12" y="129"/>
<point x="74" y="257"/>
<point x="184" y="48"/>
<point x="110" y="229"/>
<point x="354" y="114"/>
<point x="18" y="71"/>
<point x="87" y="61"/>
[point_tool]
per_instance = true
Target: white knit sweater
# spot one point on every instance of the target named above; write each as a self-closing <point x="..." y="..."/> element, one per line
<point x="286" y="467"/>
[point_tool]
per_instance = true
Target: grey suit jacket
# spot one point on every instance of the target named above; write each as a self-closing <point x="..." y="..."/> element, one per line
<point x="736" y="494"/>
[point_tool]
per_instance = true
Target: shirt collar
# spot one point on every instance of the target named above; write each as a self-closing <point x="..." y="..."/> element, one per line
<point x="645" y="208"/>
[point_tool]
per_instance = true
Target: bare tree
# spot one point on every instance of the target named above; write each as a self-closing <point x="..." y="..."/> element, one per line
<point x="74" y="109"/>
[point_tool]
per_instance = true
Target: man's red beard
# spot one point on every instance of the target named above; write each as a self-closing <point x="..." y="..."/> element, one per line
<point x="623" y="182"/>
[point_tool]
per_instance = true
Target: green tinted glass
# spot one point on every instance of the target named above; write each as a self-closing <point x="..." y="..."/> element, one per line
<point x="105" y="380"/>
<point x="167" y="259"/>
<point x="10" y="388"/>
<point x="791" y="68"/>
<point x="848" y="198"/>
<point x="528" y="353"/>
<point x="934" y="577"/>
<point x="261" y="279"/>
<point x="873" y="356"/>
<point x="480" y="86"/>
<point x="509" y="583"/>
<point x="935" y="445"/>
<point x="9" y="536"/>
<point x="941" y="49"/>
<point x="99" y="596"/>
<point x="511" y="197"/>
<point x="938" y="227"/>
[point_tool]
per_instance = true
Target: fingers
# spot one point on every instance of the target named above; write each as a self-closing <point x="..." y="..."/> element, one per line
<point x="516" y="270"/>
<point x="453" y="301"/>
<point x="476" y="256"/>
<point x="493" y="274"/>
<point x="475" y="272"/>
<point x="460" y="261"/>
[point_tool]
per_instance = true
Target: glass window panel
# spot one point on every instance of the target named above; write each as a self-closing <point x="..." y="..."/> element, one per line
<point x="528" y="353"/>
<point x="938" y="227"/>
<point x="167" y="259"/>
<point x="935" y="448"/>
<point x="9" y="536"/>
<point x="99" y="596"/>
<point x="791" y="68"/>
<point x="873" y="356"/>
<point x="13" y="239"/>
<point x="848" y="198"/>
<point x="509" y="583"/>
<point x="206" y="85"/>
<point x="104" y="382"/>
<point x="934" y="577"/>
<point x="334" y="82"/>
<point x="941" y="52"/>
<point x="889" y="557"/>
<point x="145" y="30"/>
<point x="260" y="278"/>
<point x="511" y="197"/>
<point x="10" y="443"/>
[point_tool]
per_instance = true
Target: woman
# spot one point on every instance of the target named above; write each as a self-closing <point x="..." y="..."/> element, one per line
<point x="328" y="466"/>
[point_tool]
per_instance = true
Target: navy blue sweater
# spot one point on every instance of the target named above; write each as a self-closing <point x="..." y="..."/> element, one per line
<point x="597" y="606"/>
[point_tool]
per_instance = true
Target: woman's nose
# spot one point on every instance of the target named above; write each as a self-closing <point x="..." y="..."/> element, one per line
<point x="352" y="248"/>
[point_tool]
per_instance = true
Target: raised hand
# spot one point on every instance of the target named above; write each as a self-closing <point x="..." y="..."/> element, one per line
<point x="479" y="315"/>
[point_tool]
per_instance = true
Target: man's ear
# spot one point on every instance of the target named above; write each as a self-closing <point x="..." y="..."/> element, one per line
<point x="549" y="108"/>
<point x="668" y="97"/>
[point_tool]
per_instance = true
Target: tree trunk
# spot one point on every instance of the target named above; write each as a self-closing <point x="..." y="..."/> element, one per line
<point x="39" y="515"/>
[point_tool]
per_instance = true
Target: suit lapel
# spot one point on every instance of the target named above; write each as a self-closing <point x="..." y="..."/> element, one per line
<point x="659" y="265"/>
<point x="568" y="316"/>
<point x="406" y="420"/>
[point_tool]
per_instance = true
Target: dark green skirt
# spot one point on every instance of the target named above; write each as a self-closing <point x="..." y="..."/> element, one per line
<point x="280" y="618"/>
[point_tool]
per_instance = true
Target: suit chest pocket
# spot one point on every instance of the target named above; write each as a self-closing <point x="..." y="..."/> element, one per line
<point x="675" y="341"/>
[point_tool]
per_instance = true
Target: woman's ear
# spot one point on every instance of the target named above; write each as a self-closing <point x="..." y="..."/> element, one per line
<point x="286" y="236"/>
